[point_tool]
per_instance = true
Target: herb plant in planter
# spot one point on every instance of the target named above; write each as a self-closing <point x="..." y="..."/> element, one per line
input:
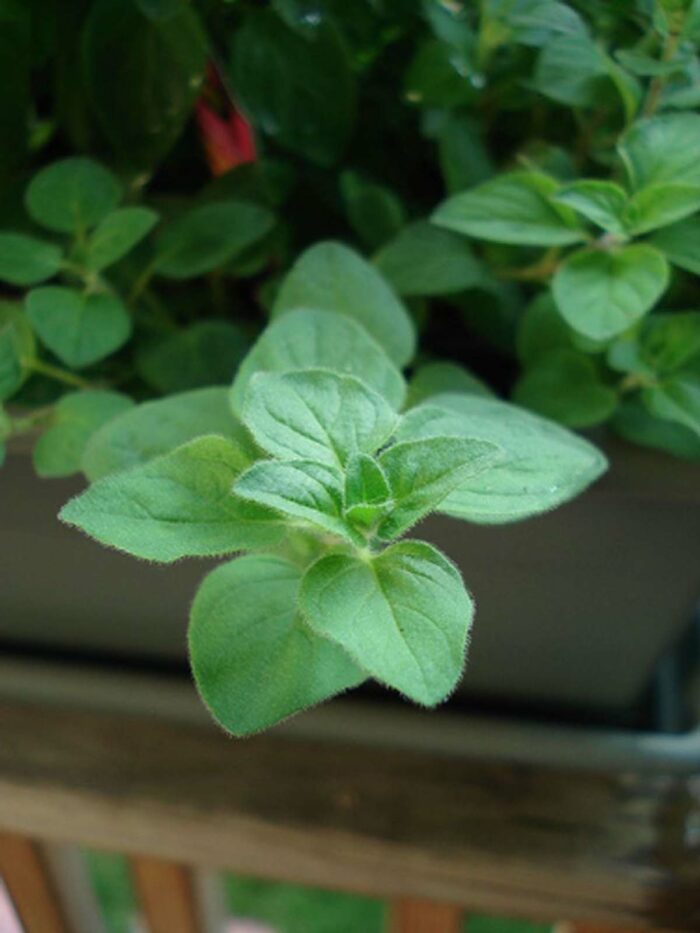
<point x="363" y="326"/>
<point x="318" y="473"/>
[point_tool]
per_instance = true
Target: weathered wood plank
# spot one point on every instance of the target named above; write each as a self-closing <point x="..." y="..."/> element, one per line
<point x="413" y="916"/>
<point x="30" y="885"/>
<point x="504" y="839"/>
<point x="166" y="895"/>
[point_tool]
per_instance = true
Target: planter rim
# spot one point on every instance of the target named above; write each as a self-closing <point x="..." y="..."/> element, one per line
<point x="524" y="742"/>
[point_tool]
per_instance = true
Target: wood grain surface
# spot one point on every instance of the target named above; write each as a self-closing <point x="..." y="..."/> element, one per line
<point x="543" y="843"/>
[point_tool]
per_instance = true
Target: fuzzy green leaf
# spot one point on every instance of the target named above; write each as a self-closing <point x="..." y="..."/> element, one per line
<point x="71" y="195"/>
<point x="307" y="339"/>
<point x="572" y="69"/>
<point x="117" y="234"/>
<point x="209" y="236"/>
<point x="670" y="342"/>
<point x="76" y="417"/>
<point x="302" y="489"/>
<point x="177" y="505"/>
<point x="331" y="277"/>
<point x="24" y="260"/>
<point x="677" y="399"/>
<point x="154" y="428"/>
<point x="425" y="260"/>
<point x="600" y="293"/>
<point x="367" y="495"/>
<point x="663" y="149"/>
<point x="566" y="385"/>
<point x="79" y="327"/>
<point x="316" y="415"/>
<point x="660" y="205"/>
<point x="422" y="473"/>
<point x="602" y="202"/>
<point x="544" y="465"/>
<point x="680" y="243"/>
<point x="254" y="659"/>
<point x="403" y="616"/>
<point x="512" y="208"/>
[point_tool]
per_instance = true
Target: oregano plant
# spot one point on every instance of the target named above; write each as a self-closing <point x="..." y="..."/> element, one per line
<point x="269" y="270"/>
<point x="313" y="466"/>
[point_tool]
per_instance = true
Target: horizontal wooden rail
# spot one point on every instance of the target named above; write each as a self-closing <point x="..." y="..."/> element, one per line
<point x="541" y="843"/>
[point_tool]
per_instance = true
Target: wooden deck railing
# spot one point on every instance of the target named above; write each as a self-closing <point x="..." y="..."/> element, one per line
<point x="436" y="836"/>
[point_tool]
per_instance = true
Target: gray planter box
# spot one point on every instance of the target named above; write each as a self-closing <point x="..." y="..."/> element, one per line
<point x="574" y="608"/>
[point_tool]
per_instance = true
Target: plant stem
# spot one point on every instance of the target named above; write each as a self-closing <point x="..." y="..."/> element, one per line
<point x="141" y="282"/>
<point x="60" y="375"/>
<point x="635" y="381"/>
<point x="29" y="422"/>
<point x="539" y="271"/>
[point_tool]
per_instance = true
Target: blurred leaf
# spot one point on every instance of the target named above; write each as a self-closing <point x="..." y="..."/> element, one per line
<point x="142" y="75"/>
<point x="75" y="419"/>
<point x="670" y="342"/>
<point x="205" y="354"/>
<point x="209" y="236"/>
<point x="464" y="160"/>
<point x="297" y="89"/>
<point x="72" y="195"/>
<point x="635" y="423"/>
<point x="514" y="207"/>
<point x="25" y="260"/>
<point x="663" y="149"/>
<point x="440" y="377"/>
<point x="79" y="327"/>
<point x="602" y="202"/>
<point x="542" y="330"/>
<point x="16" y="348"/>
<point x="375" y="213"/>
<point x="438" y="77"/>
<point x="680" y="243"/>
<point x="600" y="293"/>
<point x="661" y="205"/>
<point x="571" y="69"/>
<point x="425" y="260"/>
<point x="566" y="386"/>
<point x="117" y="234"/>
<point x="676" y="399"/>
